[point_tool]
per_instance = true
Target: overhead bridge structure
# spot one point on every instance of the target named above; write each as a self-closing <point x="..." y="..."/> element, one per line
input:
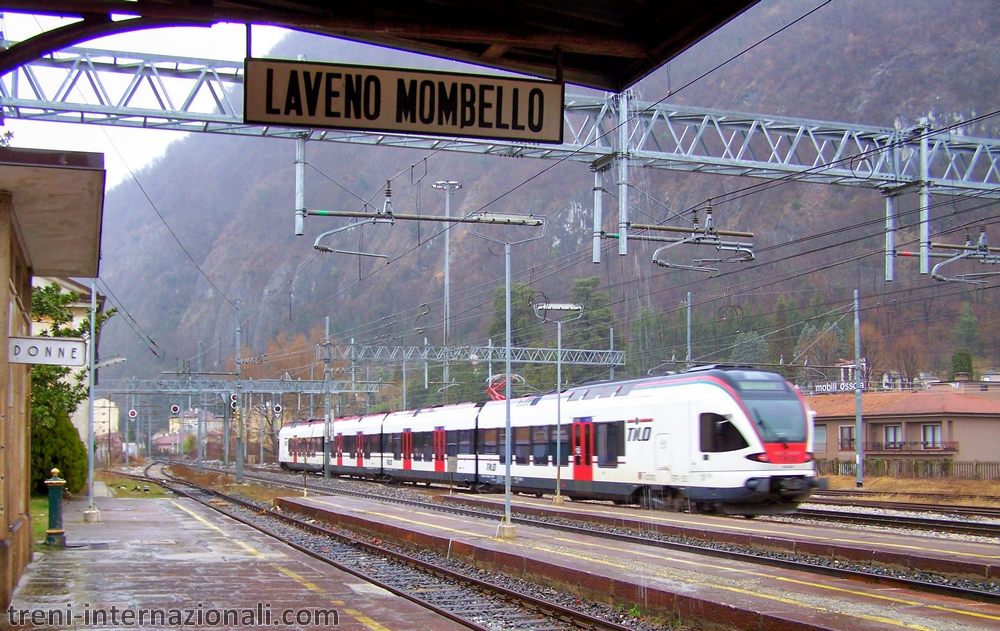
<point x="80" y="85"/>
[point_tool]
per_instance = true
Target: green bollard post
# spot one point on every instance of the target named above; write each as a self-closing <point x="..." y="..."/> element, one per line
<point x="55" y="535"/>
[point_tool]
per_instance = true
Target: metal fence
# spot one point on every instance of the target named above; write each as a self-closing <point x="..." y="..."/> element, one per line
<point x="912" y="468"/>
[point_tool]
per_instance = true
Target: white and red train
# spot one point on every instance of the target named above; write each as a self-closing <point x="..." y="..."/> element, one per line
<point x="717" y="439"/>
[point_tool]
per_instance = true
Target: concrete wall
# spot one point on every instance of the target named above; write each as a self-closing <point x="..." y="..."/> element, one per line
<point x="15" y="453"/>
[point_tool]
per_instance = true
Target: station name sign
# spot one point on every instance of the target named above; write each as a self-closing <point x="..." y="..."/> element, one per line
<point x="52" y="351"/>
<point x="369" y="98"/>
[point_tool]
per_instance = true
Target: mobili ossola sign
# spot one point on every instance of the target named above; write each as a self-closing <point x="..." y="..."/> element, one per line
<point x="369" y="98"/>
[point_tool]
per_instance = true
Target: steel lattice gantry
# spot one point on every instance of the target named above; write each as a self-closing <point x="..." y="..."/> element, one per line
<point x="102" y="87"/>
<point x="229" y="386"/>
<point x="523" y="355"/>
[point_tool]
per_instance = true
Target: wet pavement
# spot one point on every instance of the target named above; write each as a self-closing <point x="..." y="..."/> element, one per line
<point x="673" y="585"/>
<point x="172" y="563"/>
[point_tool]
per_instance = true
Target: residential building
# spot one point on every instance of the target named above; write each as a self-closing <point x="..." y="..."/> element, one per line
<point x="942" y="422"/>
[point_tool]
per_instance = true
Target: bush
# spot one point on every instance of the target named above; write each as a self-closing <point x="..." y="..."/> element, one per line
<point x="57" y="445"/>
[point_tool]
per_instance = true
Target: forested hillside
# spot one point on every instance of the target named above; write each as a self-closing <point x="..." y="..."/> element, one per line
<point x="229" y="201"/>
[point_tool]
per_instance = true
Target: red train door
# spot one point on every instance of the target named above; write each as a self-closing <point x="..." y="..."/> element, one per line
<point x="340" y="450"/>
<point x="439" y="449"/>
<point x="359" y="449"/>
<point x="583" y="449"/>
<point x="407" y="450"/>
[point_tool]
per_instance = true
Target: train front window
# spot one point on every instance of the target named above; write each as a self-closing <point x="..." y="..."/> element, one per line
<point x="774" y="406"/>
<point x="779" y="420"/>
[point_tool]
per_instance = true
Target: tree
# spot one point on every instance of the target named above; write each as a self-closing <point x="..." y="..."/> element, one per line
<point x="750" y="348"/>
<point x="56" y="391"/>
<point x="961" y="361"/>
<point x="592" y="331"/>
<point x="57" y="445"/>
<point x="821" y="346"/>
<point x="873" y="351"/>
<point x="782" y="345"/>
<point x="966" y="331"/>
<point x="524" y="326"/>
<point x="906" y="357"/>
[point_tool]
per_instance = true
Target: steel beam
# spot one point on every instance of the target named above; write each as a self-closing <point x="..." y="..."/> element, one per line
<point x="227" y="386"/>
<point x="81" y="85"/>
<point x="521" y="355"/>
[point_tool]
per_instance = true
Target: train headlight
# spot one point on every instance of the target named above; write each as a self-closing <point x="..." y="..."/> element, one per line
<point x="753" y="483"/>
<point x="761" y="457"/>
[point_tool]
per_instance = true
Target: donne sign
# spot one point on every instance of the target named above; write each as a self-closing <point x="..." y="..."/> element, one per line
<point x="304" y="94"/>
<point x="54" y="351"/>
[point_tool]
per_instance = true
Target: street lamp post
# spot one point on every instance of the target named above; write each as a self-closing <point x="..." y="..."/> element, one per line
<point x="91" y="515"/>
<point x="506" y="528"/>
<point x="576" y="311"/>
<point x="448" y="187"/>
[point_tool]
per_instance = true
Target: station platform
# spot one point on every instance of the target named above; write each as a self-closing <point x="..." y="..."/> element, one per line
<point x="971" y="558"/>
<point x="691" y="588"/>
<point x="173" y="563"/>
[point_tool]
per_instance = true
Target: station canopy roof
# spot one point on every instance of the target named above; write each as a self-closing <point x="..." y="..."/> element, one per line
<point x="598" y="43"/>
<point x="58" y="208"/>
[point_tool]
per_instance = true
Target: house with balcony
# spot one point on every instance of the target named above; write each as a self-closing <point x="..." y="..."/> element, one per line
<point x="937" y="423"/>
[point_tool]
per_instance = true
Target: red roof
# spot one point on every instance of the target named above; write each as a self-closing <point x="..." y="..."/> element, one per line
<point x="903" y="404"/>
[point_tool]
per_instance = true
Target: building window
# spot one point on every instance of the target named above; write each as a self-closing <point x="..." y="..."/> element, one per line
<point x="893" y="436"/>
<point x="819" y="439"/>
<point x="931" y="436"/>
<point x="846" y="438"/>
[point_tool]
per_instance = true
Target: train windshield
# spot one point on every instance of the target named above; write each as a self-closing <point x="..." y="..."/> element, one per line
<point x="774" y="406"/>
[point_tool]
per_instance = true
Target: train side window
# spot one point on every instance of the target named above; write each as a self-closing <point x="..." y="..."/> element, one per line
<point x="610" y="391"/>
<point x="465" y="441"/>
<point x="564" y="448"/>
<point x="376" y="445"/>
<point x="625" y="389"/>
<point x="540" y="445"/>
<point x="428" y="446"/>
<point x="522" y="444"/>
<point x="350" y="444"/>
<point x="488" y="442"/>
<point x="593" y="393"/>
<point x="397" y="446"/>
<point x="502" y="445"/>
<point x="451" y="443"/>
<point x="577" y="394"/>
<point x="718" y="434"/>
<point x="366" y="446"/>
<point x="610" y="443"/>
<point x="417" y="439"/>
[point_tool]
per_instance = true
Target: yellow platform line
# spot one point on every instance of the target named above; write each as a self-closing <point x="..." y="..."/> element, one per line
<point x="659" y="555"/>
<point x="354" y="613"/>
<point x="759" y="530"/>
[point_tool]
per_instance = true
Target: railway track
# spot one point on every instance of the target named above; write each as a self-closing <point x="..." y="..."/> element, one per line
<point x="924" y="495"/>
<point x="921" y="582"/>
<point x="912" y="522"/>
<point x="467" y="599"/>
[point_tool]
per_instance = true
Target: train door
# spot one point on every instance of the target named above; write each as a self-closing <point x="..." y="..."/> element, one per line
<point x="681" y="444"/>
<point x="359" y="450"/>
<point x="340" y="450"/>
<point x="439" y="449"/>
<point x="662" y="457"/>
<point x="582" y="436"/>
<point x="407" y="450"/>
